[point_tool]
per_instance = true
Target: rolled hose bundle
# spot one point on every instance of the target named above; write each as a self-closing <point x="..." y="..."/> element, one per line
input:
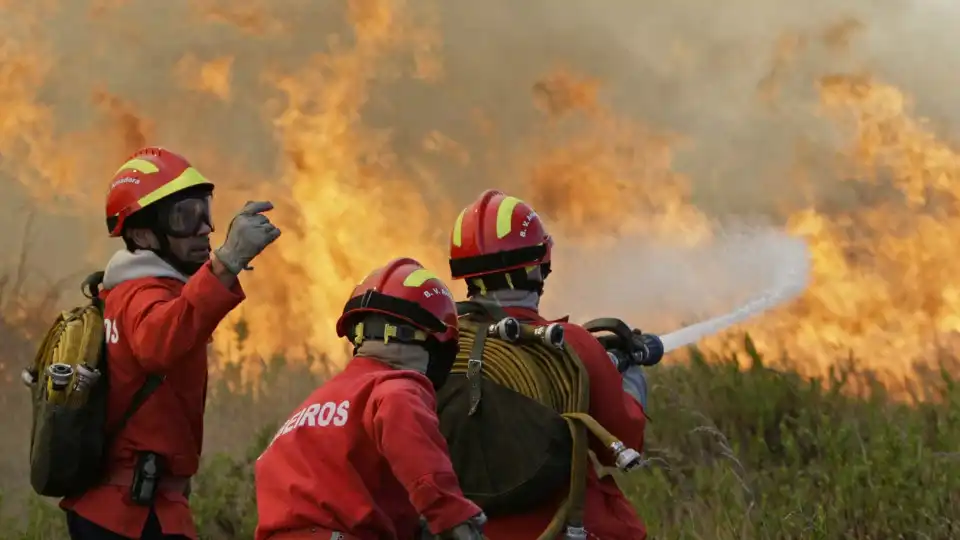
<point x="66" y="365"/>
<point x="535" y="362"/>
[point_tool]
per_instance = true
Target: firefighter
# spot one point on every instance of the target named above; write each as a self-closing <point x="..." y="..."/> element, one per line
<point x="362" y="458"/>
<point x="164" y="295"/>
<point x="500" y="248"/>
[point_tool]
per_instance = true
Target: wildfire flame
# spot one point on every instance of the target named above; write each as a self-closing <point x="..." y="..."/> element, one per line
<point x="349" y="195"/>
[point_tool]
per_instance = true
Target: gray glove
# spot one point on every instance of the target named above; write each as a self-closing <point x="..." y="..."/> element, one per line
<point x="249" y="233"/>
<point x="472" y="529"/>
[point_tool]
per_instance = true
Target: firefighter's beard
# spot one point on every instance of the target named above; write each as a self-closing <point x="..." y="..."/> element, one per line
<point x="187" y="255"/>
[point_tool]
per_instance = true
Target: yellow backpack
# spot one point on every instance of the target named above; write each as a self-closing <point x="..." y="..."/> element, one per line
<point x="69" y="387"/>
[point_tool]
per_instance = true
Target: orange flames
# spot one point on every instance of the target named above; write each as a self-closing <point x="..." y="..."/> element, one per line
<point x="351" y="192"/>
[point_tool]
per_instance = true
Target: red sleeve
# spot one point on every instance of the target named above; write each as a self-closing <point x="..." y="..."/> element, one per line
<point x="161" y="326"/>
<point x="407" y="433"/>
<point x="613" y="408"/>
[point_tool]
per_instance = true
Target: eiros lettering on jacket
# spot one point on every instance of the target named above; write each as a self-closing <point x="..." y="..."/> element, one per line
<point x="314" y="415"/>
<point x="317" y="415"/>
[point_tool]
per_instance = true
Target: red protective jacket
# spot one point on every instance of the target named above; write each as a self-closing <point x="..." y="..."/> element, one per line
<point x="608" y="515"/>
<point x="363" y="455"/>
<point x="159" y="322"/>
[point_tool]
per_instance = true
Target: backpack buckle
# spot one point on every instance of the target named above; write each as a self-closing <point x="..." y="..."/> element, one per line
<point x="474" y="369"/>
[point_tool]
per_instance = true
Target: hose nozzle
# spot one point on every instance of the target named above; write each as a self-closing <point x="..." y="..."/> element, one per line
<point x="507" y="329"/>
<point x="649" y="349"/>
<point x="574" y="533"/>
<point x="550" y="335"/>
<point x="60" y="375"/>
<point x="626" y="458"/>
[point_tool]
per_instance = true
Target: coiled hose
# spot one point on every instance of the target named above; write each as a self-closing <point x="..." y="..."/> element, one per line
<point x="550" y="372"/>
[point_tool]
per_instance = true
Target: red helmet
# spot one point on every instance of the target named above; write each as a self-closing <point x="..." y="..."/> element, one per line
<point x="495" y="234"/>
<point x="406" y="290"/>
<point x="148" y="176"/>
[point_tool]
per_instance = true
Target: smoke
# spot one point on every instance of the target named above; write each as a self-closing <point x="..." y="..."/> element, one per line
<point x="736" y="80"/>
<point x="741" y="266"/>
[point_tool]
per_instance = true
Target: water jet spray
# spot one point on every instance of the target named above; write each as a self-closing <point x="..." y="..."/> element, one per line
<point x="791" y="279"/>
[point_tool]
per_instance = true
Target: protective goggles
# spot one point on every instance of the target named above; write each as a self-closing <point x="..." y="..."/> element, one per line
<point x="185" y="218"/>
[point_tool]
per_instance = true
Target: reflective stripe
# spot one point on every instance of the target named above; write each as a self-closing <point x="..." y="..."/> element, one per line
<point x="505" y="215"/>
<point x="188" y="178"/>
<point x="418" y="277"/>
<point x="458" y="229"/>
<point x="138" y="164"/>
<point x="478" y="283"/>
<point x="390" y="331"/>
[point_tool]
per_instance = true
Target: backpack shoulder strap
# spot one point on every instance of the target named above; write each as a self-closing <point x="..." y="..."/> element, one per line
<point x="149" y="387"/>
<point x="91" y="289"/>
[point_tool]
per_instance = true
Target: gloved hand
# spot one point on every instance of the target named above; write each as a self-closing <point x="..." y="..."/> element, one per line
<point x="249" y="233"/>
<point x="472" y="529"/>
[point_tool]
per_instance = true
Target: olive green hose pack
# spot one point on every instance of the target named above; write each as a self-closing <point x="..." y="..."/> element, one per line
<point x="69" y="390"/>
<point x="515" y="416"/>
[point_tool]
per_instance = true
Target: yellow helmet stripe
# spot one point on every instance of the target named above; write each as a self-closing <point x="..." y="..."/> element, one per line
<point x="505" y="215"/>
<point x="141" y="165"/>
<point x="418" y="277"/>
<point x="188" y="178"/>
<point x="458" y="229"/>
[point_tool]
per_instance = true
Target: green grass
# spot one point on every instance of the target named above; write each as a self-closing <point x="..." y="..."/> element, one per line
<point x="733" y="453"/>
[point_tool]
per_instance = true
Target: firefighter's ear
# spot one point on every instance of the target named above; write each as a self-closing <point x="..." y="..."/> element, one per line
<point x="140" y="238"/>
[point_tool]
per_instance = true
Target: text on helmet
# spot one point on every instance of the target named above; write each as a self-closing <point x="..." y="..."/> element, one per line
<point x="527" y="220"/>
<point x="437" y="290"/>
<point x="124" y="180"/>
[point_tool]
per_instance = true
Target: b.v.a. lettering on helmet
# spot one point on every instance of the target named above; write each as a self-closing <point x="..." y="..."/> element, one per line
<point x="317" y="415"/>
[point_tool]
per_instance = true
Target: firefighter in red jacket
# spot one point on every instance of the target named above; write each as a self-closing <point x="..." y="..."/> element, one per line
<point x="363" y="458"/>
<point x="163" y="297"/>
<point x="500" y="247"/>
